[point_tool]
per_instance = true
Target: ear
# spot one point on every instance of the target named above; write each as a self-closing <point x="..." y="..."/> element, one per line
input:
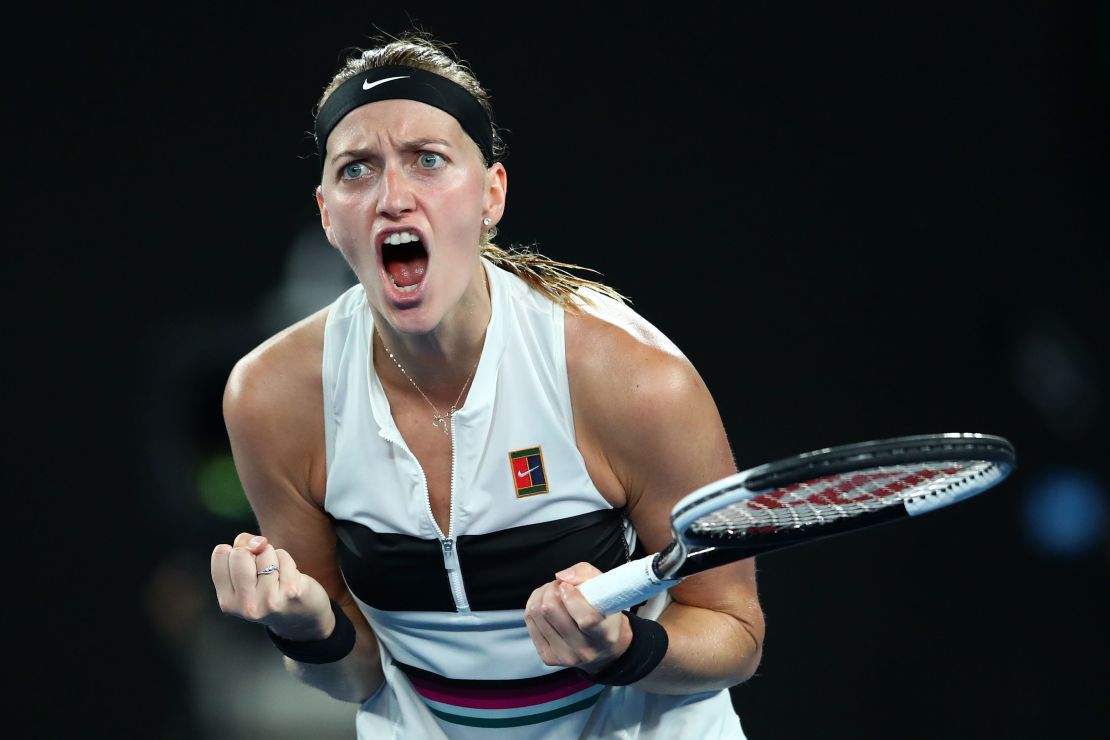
<point x="497" y="185"/>
<point x="325" y="217"/>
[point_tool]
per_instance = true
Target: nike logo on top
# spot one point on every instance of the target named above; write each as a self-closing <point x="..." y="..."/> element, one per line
<point x="530" y="481"/>
<point x="367" y="84"/>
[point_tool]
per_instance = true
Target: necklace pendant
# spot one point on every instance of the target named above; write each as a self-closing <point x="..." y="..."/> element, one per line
<point x="439" y="421"/>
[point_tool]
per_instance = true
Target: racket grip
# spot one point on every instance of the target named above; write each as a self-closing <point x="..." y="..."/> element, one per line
<point x="625" y="586"/>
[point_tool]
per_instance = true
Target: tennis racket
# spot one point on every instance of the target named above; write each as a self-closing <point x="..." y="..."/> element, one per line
<point x="804" y="498"/>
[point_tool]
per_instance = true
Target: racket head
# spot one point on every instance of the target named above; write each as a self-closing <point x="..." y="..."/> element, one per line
<point x="840" y="488"/>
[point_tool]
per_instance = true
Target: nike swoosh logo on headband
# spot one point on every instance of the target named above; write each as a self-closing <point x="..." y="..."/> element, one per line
<point x="367" y="84"/>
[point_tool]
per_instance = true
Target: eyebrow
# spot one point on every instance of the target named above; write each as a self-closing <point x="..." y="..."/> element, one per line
<point x="407" y="146"/>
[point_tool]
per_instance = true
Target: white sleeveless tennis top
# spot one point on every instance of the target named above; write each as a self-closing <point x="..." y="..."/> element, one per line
<point x="448" y="607"/>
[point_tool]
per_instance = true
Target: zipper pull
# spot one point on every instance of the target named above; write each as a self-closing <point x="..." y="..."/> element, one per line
<point x="454" y="574"/>
<point x="450" y="559"/>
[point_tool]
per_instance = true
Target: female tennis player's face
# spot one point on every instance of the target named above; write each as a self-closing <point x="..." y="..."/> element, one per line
<point x="402" y="196"/>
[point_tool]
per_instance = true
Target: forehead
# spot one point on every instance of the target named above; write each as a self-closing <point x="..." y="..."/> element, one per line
<point x="398" y="120"/>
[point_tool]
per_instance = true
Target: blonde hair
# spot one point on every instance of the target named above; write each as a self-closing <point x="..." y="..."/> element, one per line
<point x="552" y="278"/>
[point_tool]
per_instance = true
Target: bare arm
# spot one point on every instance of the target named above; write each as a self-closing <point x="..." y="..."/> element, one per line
<point x="651" y="434"/>
<point x="274" y="415"/>
<point x="714" y="623"/>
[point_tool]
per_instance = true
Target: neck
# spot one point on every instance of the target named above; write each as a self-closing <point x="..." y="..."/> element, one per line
<point x="439" y="361"/>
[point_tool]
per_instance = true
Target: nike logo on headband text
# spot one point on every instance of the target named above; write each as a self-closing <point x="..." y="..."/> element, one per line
<point x="367" y="84"/>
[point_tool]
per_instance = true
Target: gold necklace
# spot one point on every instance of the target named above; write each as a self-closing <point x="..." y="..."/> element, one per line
<point x="439" y="419"/>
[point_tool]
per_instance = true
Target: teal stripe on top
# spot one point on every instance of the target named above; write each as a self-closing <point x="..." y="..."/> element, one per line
<point x="532" y="719"/>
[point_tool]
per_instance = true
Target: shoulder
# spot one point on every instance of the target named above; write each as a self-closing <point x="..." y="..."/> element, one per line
<point x="273" y="400"/>
<point x="613" y="352"/>
<point x="645" y="420"/>
<point x="280" y="369"/>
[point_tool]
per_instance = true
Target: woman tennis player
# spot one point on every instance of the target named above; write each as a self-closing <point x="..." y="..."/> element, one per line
<point x="441" y="456"/>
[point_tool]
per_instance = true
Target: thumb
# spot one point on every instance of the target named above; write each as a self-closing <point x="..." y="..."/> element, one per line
<point x="577" y="574"/>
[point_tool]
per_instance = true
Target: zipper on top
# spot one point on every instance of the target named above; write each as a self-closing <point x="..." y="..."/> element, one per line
<point x="447" y="543"/>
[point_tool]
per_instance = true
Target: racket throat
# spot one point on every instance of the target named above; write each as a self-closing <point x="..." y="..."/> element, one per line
<point x="670" y="559"/>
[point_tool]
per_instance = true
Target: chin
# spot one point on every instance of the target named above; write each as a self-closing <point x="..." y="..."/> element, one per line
<point x="408" y="318"/>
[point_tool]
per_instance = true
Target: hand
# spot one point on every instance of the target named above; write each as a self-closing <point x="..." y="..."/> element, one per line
<point x="292" y="604"/>
<point x="567" y="631"/>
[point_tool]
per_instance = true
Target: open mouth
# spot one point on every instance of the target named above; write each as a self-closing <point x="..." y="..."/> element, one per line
<point x="405" y="260"/>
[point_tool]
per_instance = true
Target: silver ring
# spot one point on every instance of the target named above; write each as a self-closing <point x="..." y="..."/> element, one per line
<point x="271" y="568"/>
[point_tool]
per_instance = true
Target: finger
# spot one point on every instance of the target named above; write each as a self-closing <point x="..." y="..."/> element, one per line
<point x="581" y="611"/>
<point x="253" y="542"/>
<point x="543" y="645"/>
<point x="221" y="576"/>
<point x="243" y="569"/>
<point x="555" y="622"/>
<point x="267" y="564"/>
<point x="536" y="613"/>
<point x="538" y="631"/>
<point x="287" y="572"/>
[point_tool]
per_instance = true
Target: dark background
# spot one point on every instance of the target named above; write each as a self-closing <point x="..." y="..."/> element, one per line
<point x="858" y="219"/>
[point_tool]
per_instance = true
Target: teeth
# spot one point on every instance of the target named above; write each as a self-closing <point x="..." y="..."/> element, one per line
<point x="401" y="237"/>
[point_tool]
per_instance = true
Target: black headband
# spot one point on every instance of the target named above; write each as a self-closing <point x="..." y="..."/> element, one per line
<point x="409" y="83"/>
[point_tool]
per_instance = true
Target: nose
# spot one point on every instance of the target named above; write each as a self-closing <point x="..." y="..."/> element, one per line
<point x="396" y="195"/>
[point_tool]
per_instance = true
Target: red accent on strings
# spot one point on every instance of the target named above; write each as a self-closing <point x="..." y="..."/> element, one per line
<point x="833" y="490"/>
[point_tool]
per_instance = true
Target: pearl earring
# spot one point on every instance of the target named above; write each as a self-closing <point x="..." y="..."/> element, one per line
<point x="486" y="221"/>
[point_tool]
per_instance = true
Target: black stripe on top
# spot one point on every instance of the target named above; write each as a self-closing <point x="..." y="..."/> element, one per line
<point x="397" y="572"/>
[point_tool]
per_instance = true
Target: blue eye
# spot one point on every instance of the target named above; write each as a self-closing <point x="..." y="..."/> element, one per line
<point x="430" y="160"/>
<point x="354" y="170"/>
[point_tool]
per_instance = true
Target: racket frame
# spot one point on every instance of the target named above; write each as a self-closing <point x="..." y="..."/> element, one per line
<point x="636" y="581"/>
<point x="746" y="484"/>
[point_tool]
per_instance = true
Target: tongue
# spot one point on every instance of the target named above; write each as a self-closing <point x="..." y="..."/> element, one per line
<point x="407" y="273"/>
<point x="406" y="265"/>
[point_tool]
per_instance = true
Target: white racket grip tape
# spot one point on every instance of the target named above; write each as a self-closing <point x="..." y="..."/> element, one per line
<point x="624" y="586"/>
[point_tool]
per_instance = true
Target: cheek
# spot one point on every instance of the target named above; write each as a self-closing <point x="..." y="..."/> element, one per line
<point x="346" y="239"/>
<point x="344" y="220"/>
<point x="341" y="240"/>
<point x="461" y="207"/>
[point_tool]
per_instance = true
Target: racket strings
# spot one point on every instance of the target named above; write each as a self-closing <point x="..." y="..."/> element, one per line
<point x="844" y="495"/>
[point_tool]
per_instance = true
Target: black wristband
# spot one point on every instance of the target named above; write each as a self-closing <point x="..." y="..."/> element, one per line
<point x="648" y="646"/>
<point x="336" y="646"/>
